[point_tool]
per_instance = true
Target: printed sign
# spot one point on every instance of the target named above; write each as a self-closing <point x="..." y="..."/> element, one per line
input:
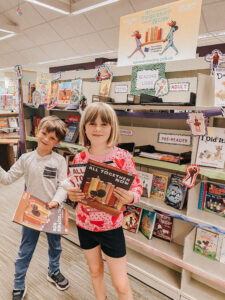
<point x="179" y="86"/>
<point x="121" y="88"/>
<point x="174" y="139"/>
<point x="126" y="132"/>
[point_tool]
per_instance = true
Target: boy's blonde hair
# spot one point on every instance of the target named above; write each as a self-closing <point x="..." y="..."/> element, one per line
<point x="53" y="123"/>
<point x="107" y="115"/>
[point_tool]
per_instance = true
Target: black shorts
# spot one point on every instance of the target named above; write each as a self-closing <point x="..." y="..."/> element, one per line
<point x="112" y="242"/>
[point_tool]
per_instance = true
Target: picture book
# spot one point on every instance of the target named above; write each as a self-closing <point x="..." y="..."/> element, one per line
<point x="13" y="122"/>
<point x="176" y="192"/>
<point x="131" y="218"/>
<point x="211" y="148"/>
<point x="206" y="243"/>
<point x="147" y="223"/>
<point x="64" y="92"/>
<point x="159" y="186"/>
<point x="36" y="214"/>
<point x="43" y="87"/>
<point x="76" y="86"/>
<point x="146" y="182"/>
<point x="163" y="226"/>
<point x="212" y="198"/>
<point x="98" y="184"/>
<point x="73" y="131"/>
<point x="222" y="251"/>
<point x="219" y="87"/>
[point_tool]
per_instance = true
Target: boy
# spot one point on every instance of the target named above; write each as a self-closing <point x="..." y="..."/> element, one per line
<point x="43" y="171"/>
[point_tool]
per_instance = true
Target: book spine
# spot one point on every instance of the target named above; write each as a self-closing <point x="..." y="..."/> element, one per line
<point x="201" y="194"/>
<point x="93" y="185"/>
<point x="109" y="194"/>
<point x="108" y="186"/>
<point x="86" y="186"/>
<point x="146" y="36"/>
<point x="204" y="195"/>
<point x="112" y="200"/>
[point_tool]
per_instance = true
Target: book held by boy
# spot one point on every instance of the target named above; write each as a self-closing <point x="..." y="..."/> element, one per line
<point x="98" y="184"/>
<point x="146" y="182"/>
<point x="131" y="218"/>
<point x="36" y="214"/>
<point x="147" y="223"/>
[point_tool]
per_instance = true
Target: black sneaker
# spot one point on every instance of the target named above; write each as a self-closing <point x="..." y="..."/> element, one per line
<point x="59" y="280"/>
<point x="19" y="294"/>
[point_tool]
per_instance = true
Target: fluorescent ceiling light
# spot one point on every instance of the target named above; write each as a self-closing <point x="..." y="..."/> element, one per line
<point x="7" y="36"/>
<point x="49" y="6"/>
<point x="7" y="31"/>
<point x="80" y="11"/>
<point x="211" y="35"/>
<point x="76" y="57"/>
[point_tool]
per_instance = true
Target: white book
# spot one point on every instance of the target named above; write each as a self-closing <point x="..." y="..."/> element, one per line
<point x="13" y="122"/>
<point x="211" y="148"/>
<point x="219" y="87"/>
<point x="222" y="251"/>
<point x="146" y="182"/>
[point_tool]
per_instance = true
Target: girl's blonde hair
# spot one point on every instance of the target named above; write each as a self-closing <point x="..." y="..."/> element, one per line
<point x="107" y="115"/>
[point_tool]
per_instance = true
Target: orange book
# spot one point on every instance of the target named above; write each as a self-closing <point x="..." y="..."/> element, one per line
<point x="109" y="194"/>
<point x="146" y="36"/>
<point x="152" y="32"/>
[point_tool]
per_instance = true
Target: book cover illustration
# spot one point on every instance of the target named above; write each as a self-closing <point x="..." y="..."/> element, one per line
<point x="147" y="223"/>
<point x="76" y="86"/>
<point x="159" y="186"/>
<point x="211" y="148"/>
<point x="73" y="132"/>
<point x="98" y="184"/>
<point x="34" y="213"/>
<point x="105" y="87"/>
<point x="146" y="182"/>
<point x="176" y="192"/>
<point x="163" y="226"/>
<point x="64" y="92"/>
<point x="212" y="198"/>
<point x="131" y="218"/>
<point x="206" y="243"/>
<point x="219" y="87"/>
<point x="222" y="251"/>
<point x="43" y="87"/>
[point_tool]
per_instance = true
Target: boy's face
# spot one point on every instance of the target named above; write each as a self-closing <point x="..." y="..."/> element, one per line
<point x="46" y="140"/>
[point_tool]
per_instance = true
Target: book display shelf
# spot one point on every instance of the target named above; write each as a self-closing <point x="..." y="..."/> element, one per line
<point x="173" y="267"/>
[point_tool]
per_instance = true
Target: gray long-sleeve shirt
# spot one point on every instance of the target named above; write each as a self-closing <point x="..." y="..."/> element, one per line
<point x="43" y="175"/>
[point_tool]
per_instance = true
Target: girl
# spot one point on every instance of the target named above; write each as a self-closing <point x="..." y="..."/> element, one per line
<point x="137" y="36"/>
<point x="98" y="231"/>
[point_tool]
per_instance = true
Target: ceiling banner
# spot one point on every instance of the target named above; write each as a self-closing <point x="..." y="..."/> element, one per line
<point x="165" y="33"/>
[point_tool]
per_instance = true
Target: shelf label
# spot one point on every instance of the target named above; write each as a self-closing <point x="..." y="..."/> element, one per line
<point x="175" y="139"/>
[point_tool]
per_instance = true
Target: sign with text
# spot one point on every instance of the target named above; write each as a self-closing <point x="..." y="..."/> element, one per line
<point x="174" y="139"/>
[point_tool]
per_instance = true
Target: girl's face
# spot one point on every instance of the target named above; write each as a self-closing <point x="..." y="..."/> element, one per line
<point x="98" y="132"/>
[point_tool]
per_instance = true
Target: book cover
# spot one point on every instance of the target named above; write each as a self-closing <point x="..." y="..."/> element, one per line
<point x="76" y="86"/>
<point x="13" y="122"/>
<point x="163" y="226"/>
<point x="34" y="213"/>
<point x="222" y="251"/>
<point x="176" y="192"/>
<point x="146" y="182"/>
<point x="212" y="199"/>
<point x="73" y="131"/>
<point x="147" y="223"/>
<point x="131" y="218"/>
<point x="64" y="92"/>
<point x="206" y="243"/>
<point x="98" y="184"/>
<point x="211" y="148"/>
<point x="159" y="186"/>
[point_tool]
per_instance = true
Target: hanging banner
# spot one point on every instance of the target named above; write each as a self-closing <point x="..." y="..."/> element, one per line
<point x="165" y="33"/>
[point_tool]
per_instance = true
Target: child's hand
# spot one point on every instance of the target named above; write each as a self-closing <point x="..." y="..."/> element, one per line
<point x="53" y="204"/>
<point x="126" y="197"/>
<point x="76" y="195"/>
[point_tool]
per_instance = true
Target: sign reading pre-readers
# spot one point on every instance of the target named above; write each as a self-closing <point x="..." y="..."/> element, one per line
<point x="98" y="184"/>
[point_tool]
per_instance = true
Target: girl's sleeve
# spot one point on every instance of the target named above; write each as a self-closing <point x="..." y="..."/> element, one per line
<point x="15" y="172"/>
<point x="136" y="186"/>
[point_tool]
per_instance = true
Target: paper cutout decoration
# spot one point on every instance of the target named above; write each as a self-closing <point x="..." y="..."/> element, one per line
<point x="220" y="87"/>
<point x="105" y="87"/>
<point x="215" y="59"/>
<point x="103" y="73"/>
<point x="197" y="123"/>
<point x="161" y="87"/>
<point x="192" y="173"/>
<point x="18" y="71"/>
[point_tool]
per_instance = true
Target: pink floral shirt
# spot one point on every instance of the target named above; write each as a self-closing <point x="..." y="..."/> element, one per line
<point x="95" y="220"/>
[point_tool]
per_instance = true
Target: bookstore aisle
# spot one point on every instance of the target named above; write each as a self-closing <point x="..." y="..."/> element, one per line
<point x="73" y="264"/>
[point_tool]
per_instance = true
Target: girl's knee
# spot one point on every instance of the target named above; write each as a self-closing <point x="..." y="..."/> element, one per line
<point x="96" y="271"/>
<point x="121" y="286"/>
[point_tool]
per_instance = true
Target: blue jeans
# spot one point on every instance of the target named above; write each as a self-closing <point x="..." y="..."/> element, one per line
<point x="26" y="250"/>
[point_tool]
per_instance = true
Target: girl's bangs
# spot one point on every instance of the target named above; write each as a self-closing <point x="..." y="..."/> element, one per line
<point x="102" y="113"/>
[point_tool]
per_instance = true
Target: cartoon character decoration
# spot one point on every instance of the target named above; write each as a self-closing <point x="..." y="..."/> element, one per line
<point x="192" y="173"/>
<point x="169" y="38"/>
<point x="18" y="71"/>
<point x="83" y="103"/>
<point x="216" y="58"/>
<point x="197" y="123"/>
<point x="161" y="87"/>
<point x="137" y="37"/>
<point x="103" y="73"/>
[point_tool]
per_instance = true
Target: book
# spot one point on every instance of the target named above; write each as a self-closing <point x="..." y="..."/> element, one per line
<point x="159" y="186"/>
<point x="206" y="243"/>
<point x="64" y="92"/>
<point x="211" y="198"/>
<point x="98" y="184"/>
<point x="211" y="148"/>
<point x="13" y="122"/>
<point x="73" y="131"/>
<point x="147" y="223"/>
<point x="146" y="182"/>
<point x="222" y="251"/>
<point x="163" y="226"/>
<point x="34" y="213"/>
<point x="131" y="218"/>
<point x="176" y="192"/>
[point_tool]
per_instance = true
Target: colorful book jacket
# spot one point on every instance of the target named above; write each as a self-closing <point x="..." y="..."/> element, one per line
<point x="206" y="243"/>
<point x="163" y="226"/>
<point x="34" y="213"/>
<point x="98" y="184"/>
<point x="211" y="148"/>
<point x="146" y="182"/>
<point x="147" y="223"/>
<point x="212" y="198"/>
<point x="159" y="186"/>
<point x="222" y="251"/>
<point x="73" y="132"/>
<point x="131" y="218"/>
<point x="176" y="192"/>
<point x="64" y="92"/>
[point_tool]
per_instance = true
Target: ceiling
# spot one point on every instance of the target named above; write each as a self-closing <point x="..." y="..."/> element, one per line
<point x="43" y="34"/>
